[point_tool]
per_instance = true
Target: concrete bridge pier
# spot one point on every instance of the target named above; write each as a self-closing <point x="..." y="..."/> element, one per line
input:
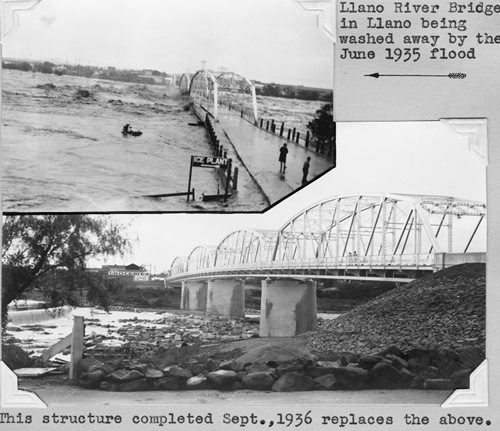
<point x="288" y="307"/>
<point x="194" y="295"/>
<point x="226" y="298"/>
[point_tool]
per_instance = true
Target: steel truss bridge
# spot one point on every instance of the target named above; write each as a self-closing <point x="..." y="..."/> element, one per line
<point x="392" y="237"/>
<point x="211" y="90"/>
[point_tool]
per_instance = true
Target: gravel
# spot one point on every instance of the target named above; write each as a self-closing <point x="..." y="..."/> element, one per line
<point x="444" y="309"/>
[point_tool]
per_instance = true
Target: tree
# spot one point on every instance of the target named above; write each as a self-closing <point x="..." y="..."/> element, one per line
<point x="49" y="253"/>
<point x="323" y="130"/>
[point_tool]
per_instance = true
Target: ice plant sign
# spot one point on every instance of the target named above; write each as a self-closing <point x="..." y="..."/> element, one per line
<point x="209" y="162"/>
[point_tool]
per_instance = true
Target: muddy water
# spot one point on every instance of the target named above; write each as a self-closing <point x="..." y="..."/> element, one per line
<point x="62" y="148"/>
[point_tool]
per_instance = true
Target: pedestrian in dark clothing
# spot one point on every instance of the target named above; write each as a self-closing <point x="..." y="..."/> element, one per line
<point x="282" y="159"/>
<point x="305" y="171"/>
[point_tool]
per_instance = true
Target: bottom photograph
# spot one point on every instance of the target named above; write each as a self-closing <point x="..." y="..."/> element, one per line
<point x="358" y="297"/>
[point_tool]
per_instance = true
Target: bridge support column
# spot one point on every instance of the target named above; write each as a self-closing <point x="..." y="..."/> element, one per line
<point x="226" y="297"/>
<point x="194" y="295"/>
<point x="288" y="307"/>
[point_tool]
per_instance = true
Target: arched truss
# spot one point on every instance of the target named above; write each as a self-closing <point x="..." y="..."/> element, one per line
<point x="381" y="228"/>
<point x="204" y="91"/>
<point x="179" y="266"/>
<point x="245" y="247"/>
<point x="238" y="92"/>
<point x="185" y="83"/>
<point x="200" y="258"/>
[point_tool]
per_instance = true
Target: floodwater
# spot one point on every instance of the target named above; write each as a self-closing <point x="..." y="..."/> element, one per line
<point x="63" y="151"/>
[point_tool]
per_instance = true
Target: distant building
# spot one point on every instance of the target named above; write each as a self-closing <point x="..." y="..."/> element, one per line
<point x="125" y="271"/>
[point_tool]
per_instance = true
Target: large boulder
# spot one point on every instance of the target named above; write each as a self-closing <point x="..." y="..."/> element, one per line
<point x="293" y="382"/>
<point x="85" y="364"/>
<point x="351" y="377"/>
<point x="91" y="380"/>
<point x="257" y="367"/>
<point x="258" y="381"/>
<point x="385" y="376"/>
<point x="289" y="368"/>
<point x="269" y="353"/>
<point x="121" y="376"/>
<point x="326" y="382"/>
<point x="153" y="374"/>
<point x="222" y="379"/>
<point x="197" y="382"/>
<point x="367" y="362"/>
<point x="176" y="371"/>
<point x="315" y="371"/>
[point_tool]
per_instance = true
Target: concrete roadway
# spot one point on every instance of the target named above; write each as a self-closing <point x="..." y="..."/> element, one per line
<point x="259" y="151"/>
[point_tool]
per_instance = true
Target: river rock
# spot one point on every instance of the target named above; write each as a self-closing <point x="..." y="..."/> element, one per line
<point x="222" y="379"/>
<point x="348" y="358"/>
<point x="121" y="376"/>
<point x="429" y="372"/>
<point x="258" y="381"/>
<point x="314" y="371"/>
<point x="256" y="367"/>
<point x="289" y="368"/>
<point x="396" y="361"/>
<point x="195" y="368"/>
<point x="170" y="383"/>
<point x="176" y="371"/>
<point x="197" y="382"/>
<point x="326" y="382"/>
<point x="385" y="376"/>
<point x="91" y="380"/>
<point x="293" y="382"/>
<point x="351" y="378"/>
<point x="211" y="365"/>
<point x="86" y="363"/>
<point x="152" y="373"/>
<point x="270" y="353"/>
<point x="367" y="362"/>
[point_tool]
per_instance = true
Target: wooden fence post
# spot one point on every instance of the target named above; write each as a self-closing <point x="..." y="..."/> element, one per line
<point x="76" y="347"/>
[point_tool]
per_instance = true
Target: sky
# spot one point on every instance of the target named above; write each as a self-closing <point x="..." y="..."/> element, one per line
<point x="411" y="158"/>
<point x="267" y="40"/>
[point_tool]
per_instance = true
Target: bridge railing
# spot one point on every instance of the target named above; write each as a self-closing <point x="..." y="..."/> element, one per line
<point x="350" y="262"/>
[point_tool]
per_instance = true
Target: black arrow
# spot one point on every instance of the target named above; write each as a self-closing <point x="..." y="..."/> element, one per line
<point x="450" y="75"/>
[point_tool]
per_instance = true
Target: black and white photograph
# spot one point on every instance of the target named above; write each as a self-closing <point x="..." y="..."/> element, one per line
<point x="213" y="219"/>
<point x="161" y="106"/>
<point x="366" y="287"/>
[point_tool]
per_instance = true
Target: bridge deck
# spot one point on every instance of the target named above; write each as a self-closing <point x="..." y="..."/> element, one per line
<point x="259" y="151"/>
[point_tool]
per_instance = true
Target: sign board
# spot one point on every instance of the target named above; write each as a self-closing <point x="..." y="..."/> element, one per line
<point x="209" y="162"/>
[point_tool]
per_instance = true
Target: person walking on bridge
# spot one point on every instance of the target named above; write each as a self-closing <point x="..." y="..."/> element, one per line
<point x="282" y="158"/>
<point x="305" y="171"/>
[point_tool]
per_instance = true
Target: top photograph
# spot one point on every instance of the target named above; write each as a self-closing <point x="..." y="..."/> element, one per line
<point x="162" y="106"/>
